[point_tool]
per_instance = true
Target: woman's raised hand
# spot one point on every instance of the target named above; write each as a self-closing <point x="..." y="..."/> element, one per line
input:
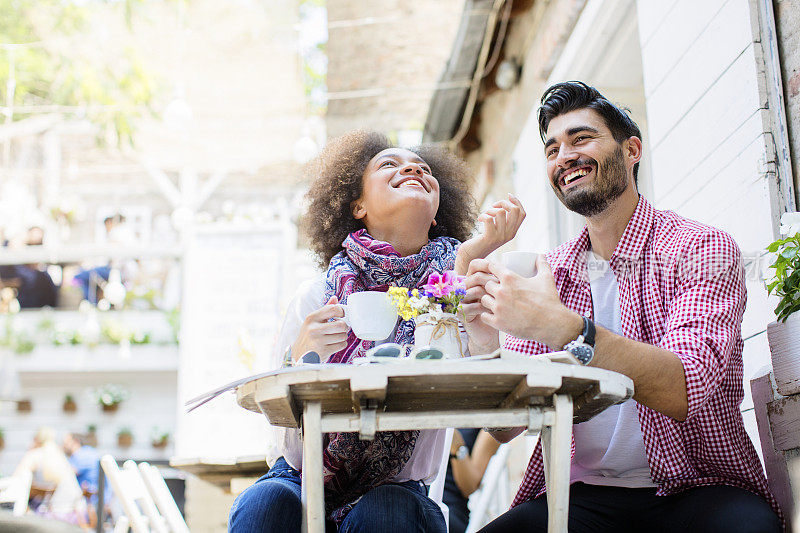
<point x="500" y="224"/>
<point x="321" y="334"/>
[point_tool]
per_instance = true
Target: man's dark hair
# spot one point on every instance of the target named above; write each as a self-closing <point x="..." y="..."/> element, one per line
<point x="572" y="95"/>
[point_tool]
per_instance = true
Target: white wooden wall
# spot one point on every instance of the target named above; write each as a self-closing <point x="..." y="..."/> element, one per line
<point x="149" y="374"/>
<point x="706" y="135"/>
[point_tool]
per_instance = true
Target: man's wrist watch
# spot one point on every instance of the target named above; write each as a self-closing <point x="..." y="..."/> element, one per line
<point x="582" y="348"/>
<point x="461" y="453"/>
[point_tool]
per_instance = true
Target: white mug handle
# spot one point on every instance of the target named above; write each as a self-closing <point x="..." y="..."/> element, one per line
<point x="346" y="320"/>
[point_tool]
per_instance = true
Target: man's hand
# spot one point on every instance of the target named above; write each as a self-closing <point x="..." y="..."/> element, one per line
<point x="500" y="224"/>
<point x="321" y="334"/>
<point x="527" y="308"/>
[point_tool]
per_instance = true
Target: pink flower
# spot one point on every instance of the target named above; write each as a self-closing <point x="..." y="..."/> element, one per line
<point x="440" y="285"/>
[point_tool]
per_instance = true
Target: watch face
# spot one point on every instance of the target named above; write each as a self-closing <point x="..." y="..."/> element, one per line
<point x="462" y="453"/>
<point x="582" y="352"/>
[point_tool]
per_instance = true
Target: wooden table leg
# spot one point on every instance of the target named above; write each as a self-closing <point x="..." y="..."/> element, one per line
<point x="312" y="491"/>
<point x="556" y="447"/>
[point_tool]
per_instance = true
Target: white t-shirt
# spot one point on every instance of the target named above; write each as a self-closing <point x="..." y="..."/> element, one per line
<point x="609" y="448"/>
<point x="427" y="456"/>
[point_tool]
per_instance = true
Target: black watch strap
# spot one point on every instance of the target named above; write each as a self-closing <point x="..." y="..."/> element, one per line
<point x="588" y="331"/>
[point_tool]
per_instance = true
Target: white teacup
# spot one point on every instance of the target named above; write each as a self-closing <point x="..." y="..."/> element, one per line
<point x="522" y="263"/>
<point x="370" y="315"/>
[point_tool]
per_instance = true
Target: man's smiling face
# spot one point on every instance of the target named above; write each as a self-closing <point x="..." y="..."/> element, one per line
<point x="585" y="164"/>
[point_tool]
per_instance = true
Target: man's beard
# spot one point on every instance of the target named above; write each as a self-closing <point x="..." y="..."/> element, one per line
<point x="610" y="181"/>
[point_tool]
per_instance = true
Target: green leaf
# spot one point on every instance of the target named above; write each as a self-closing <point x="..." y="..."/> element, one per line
<point x="788" y="311"/>
<point x="782" y="305"/>
<point x="789" y="252"/>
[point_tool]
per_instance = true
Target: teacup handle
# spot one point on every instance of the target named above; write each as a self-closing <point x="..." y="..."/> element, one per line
<point x="346" y="320"/>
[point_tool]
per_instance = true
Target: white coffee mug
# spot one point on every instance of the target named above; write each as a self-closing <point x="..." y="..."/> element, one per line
<point x="370" y="315"/>
<point x="522" y="263"/>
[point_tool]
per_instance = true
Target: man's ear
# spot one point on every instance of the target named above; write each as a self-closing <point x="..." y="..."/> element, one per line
<point x="633" y="150"/>
<point x="358" y="210"/>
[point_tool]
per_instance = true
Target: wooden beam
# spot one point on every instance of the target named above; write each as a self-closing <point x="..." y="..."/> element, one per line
<point x="784" y="419"/>
<point x="433" y="420"/>
<point x="774" y="462"/>
<point x="532" y="385"/>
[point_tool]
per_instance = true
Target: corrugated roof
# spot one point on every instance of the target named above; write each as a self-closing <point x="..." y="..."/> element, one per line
<point x="447" y="104"/>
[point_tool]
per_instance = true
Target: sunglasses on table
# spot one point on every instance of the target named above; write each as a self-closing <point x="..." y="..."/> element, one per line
<point x="391" y="349"/>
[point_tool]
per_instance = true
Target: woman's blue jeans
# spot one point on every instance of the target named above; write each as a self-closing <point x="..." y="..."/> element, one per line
<point x="272" y="504"/>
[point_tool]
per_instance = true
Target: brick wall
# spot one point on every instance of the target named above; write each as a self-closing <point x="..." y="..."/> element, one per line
<point x="398" y="47"/>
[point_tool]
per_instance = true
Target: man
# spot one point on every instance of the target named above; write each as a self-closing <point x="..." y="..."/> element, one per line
<point x="85" y="460"/>
<point x="651" y="295"/>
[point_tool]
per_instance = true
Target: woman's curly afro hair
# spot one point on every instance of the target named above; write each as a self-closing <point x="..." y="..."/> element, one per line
<point x="336" y="182"/>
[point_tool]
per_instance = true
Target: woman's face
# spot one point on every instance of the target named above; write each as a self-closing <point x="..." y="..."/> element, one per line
<point x="397" y="184"/>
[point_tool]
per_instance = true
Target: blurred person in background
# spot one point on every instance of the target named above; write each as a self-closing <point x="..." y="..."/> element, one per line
<point x="91" y="280"/>
<point x="34" y="286"/>
<point x="53" y="477"/>
<point x="470" y="453"/>
<point x="85" y="461"/>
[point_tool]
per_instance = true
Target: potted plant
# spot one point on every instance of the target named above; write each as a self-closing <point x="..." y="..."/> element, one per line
<point x="124" y="438"/>
<point x="784" y="334"/>
<point x="159" y="438"/>
<point x="91" y="435"/>
<point x="24" y="406"/>
<point x="109" y="396"/>
<point x="69" y="405"/>
<point x="434" y="311"/>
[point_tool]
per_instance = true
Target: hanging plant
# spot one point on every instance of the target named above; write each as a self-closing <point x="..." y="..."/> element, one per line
<point x="109" y="396"/>
<point x="159" y="439"/>
<point x="125" y="438"/>
<point x="69" y="405"/>
<point x="24" y="406"/>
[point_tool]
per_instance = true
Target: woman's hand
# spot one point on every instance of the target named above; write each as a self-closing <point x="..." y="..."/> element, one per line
<point x="500" y="222"/>
<point x="483" y="338"/>
<point x="321" y="334"/>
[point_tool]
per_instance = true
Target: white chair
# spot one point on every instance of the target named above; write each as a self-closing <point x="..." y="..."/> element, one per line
<point x="16" y="489"/>
<point x="436" y="490"/>
<point x="121" y="525"/>
<point x="158" y="489"/>
<point x="138" y="505"/>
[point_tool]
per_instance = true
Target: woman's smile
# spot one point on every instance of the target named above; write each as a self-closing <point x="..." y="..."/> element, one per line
<point x="412" y="181"/>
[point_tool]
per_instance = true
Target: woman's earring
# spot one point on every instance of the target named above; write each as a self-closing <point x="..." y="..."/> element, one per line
<point x="433" y="223"/>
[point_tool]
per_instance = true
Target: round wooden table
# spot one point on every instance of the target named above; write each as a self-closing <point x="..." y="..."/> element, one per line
<point x="511" y="391"/>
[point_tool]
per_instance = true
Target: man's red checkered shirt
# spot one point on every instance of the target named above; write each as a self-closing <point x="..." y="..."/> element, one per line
<point x="681" y="288"/>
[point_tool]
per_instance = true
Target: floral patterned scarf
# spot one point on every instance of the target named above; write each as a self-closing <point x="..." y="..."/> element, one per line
<point x="351" y="466"/>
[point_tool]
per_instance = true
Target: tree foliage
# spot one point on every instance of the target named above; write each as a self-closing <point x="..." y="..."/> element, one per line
<point x="53" y="67"/>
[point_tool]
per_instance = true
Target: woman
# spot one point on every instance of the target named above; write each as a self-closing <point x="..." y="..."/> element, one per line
<point x="49" y="467"/>
<point x="470" y="452"/>
<point x="377" y="215"/>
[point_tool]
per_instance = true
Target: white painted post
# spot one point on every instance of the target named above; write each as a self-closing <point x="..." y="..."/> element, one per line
<point x="556" y="447"/>
<point x="313" y="489"/>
